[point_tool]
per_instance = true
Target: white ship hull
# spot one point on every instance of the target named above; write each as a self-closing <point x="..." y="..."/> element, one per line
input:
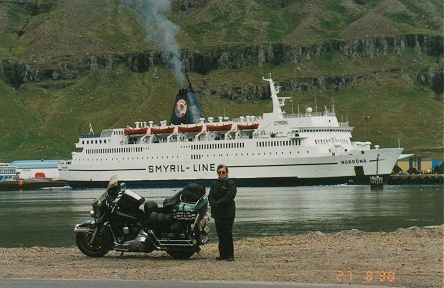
<point x="303" y="149"/>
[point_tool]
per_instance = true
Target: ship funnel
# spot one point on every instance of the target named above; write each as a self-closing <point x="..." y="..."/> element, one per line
<point x="187" y="109"/>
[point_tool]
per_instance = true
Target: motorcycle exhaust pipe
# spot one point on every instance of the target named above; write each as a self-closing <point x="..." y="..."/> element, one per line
<point x="150" y="235"/>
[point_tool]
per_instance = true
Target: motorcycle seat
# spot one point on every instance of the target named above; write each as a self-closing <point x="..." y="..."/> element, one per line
<point x="170" y="201"/>
<point x="149" y="207"/>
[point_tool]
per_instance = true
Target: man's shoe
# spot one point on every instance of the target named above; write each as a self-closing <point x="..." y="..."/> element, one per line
<point x="220" y="258"/>
<point x="230" y="259"/>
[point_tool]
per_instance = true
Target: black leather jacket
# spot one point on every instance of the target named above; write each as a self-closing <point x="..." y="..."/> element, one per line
<point x="221" y="197"/>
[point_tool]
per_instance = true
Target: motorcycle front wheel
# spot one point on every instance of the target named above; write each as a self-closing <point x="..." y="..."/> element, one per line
<point x="97" y="249"/>
<point x="181" y="254"/>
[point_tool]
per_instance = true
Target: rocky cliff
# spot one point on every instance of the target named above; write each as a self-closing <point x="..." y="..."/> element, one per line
<point x="204" y="62"/>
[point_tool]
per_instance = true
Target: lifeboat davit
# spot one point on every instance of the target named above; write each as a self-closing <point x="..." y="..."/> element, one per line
<point x="219" y="127"/>
<point x="190" y="128"/>
<point x="162" y="130"/>
<point x="247" y="126"/>
<point x="136" y="131"/>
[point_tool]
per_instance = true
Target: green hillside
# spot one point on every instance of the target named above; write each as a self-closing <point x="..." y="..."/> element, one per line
<point x="65" y="64"/>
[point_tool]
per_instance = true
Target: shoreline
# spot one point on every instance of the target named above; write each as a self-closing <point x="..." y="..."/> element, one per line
<point x="36" y="184"/>
<point x="406" y="257"/>
<point x="420" y="179"/>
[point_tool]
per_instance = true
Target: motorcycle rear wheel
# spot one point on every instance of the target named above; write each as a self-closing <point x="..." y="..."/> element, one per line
<point x="97" y="249"/>
<point x="181" y="254"/>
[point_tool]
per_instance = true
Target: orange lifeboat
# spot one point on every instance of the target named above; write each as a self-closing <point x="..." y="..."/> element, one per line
<point x="162" y="130"/>
<point x="219" y="127"/>
<point x="189" y="128"/>
<point x="135" y="131"/>
<point x="247" y="126"/>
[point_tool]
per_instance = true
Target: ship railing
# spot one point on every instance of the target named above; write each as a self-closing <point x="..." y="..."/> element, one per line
<point x="312" y="114"/>
<point x="237" y="120"/>
<point x="90" y="136"/>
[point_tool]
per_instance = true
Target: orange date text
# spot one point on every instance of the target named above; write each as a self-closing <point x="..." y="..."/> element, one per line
<point x="368" y="276"/>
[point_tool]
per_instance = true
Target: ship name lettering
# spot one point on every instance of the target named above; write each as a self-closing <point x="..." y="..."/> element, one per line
<point x="355" y="161"/>
<point x="165" y="168"/>
<point x="204" y="167"/>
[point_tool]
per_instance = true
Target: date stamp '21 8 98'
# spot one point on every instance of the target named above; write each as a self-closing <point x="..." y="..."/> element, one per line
<point x="368" y="276"/>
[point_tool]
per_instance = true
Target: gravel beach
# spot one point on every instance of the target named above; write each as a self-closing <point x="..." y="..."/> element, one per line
<point x="406" y="257"/>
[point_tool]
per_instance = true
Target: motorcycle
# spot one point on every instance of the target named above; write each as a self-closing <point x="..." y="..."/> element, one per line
<point x="179" y="227"/>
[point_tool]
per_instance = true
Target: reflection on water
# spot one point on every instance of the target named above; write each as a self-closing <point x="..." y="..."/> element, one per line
<point x="47" y="217"/>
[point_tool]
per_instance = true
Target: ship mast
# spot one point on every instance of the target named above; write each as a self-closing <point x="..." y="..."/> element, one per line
<point x="278" y="102"/>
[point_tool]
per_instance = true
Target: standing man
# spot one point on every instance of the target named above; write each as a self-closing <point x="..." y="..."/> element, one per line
<point x="223" y="210"/>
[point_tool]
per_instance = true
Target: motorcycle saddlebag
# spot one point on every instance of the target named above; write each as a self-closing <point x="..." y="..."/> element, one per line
<point x="130" y="201"/>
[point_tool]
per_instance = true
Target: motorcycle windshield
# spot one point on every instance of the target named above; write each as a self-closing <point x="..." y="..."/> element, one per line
<point x="111" y="190"/>
<point x="112" y="182"/>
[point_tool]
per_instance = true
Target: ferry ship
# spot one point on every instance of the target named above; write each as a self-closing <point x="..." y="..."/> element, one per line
<point x="275" y="149"/>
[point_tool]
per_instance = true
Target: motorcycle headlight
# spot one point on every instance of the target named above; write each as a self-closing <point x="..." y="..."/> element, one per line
<point x="92" y="213"/>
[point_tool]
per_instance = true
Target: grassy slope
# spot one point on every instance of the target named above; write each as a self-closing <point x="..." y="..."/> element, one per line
<point x="44" y="123"/>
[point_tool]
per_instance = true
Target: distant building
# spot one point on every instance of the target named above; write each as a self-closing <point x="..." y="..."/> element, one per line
<point x="8" y="173"/>
<point x="422" y="164"/>
<point x="30" y="169"/>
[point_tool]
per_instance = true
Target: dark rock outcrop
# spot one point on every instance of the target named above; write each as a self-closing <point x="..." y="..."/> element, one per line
<point x="203" y="62"/>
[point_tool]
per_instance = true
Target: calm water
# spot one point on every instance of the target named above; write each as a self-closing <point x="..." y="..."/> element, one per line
<point x="47" y="217"/>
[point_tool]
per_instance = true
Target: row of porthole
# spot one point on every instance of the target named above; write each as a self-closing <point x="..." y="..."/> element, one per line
<point x="194" y="157"/>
